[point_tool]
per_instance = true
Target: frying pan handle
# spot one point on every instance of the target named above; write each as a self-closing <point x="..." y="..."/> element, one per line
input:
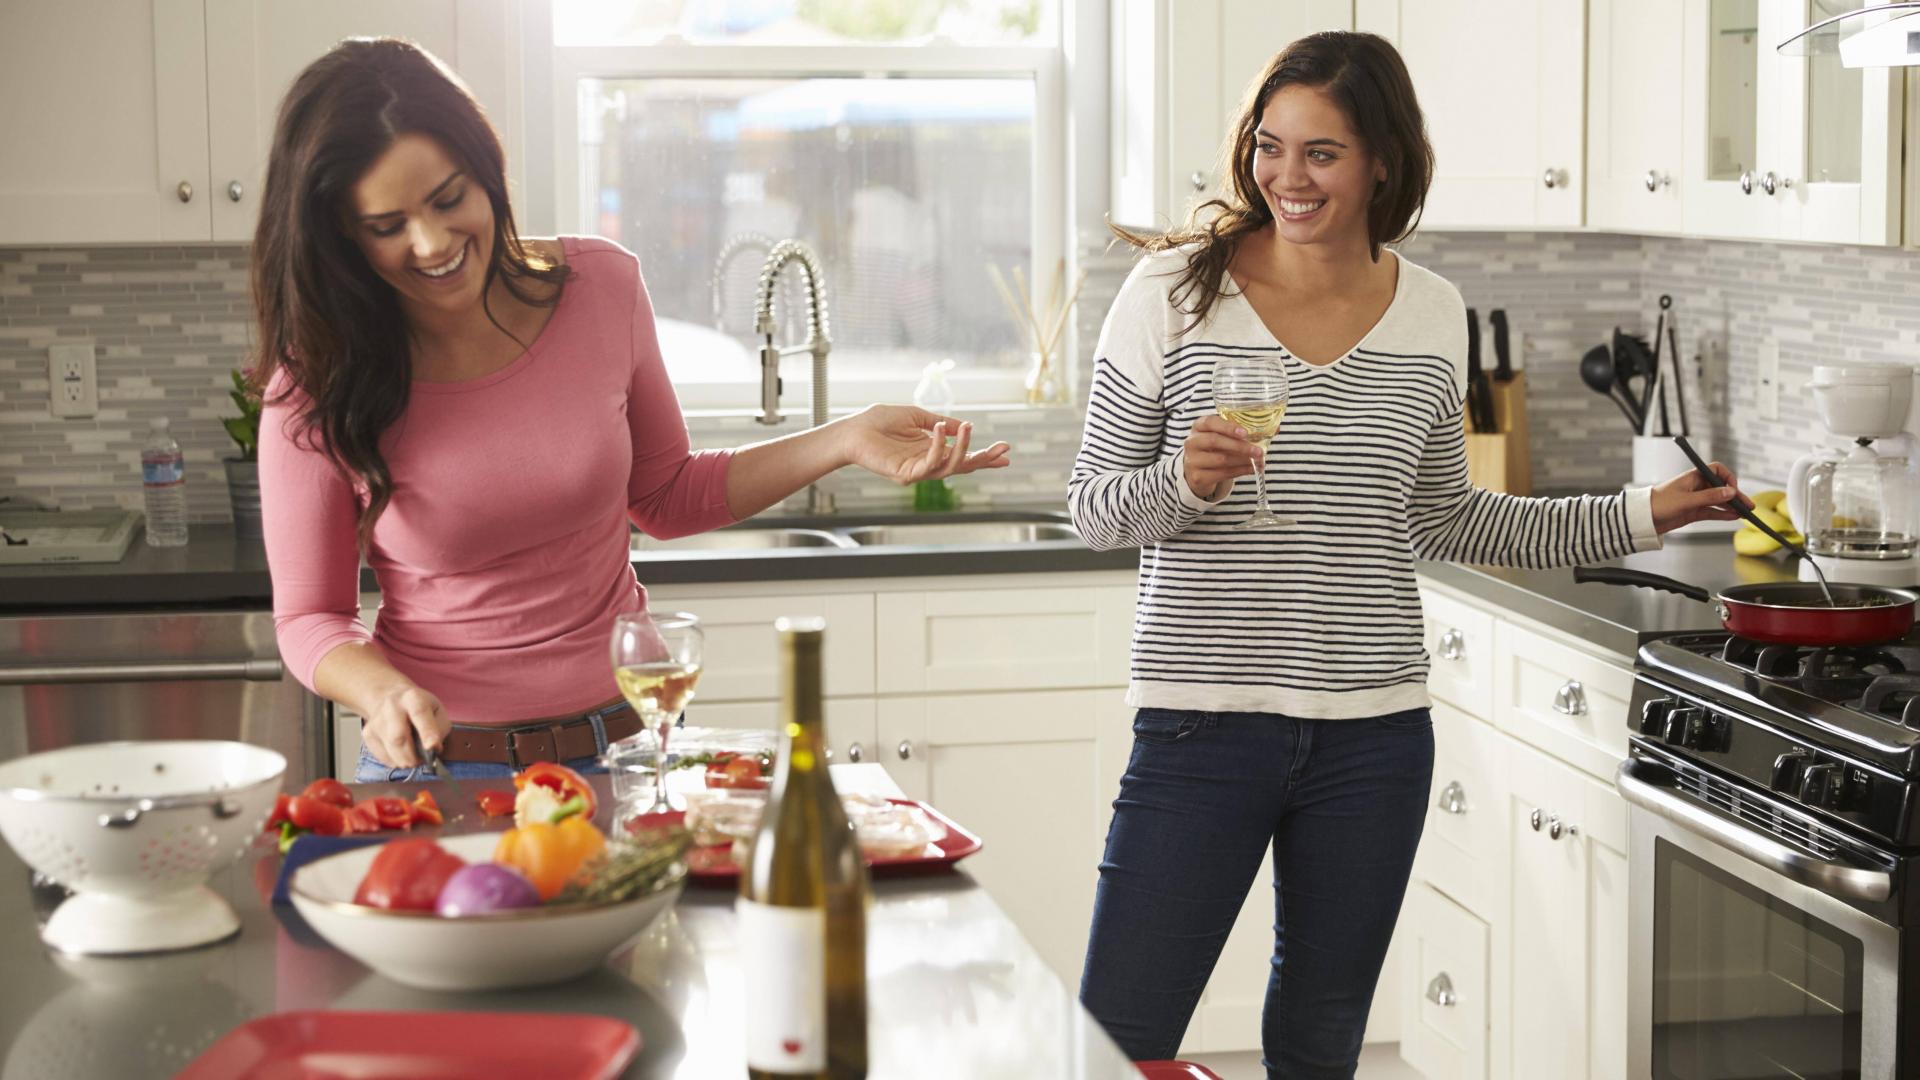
<point x="1615" y="575"/>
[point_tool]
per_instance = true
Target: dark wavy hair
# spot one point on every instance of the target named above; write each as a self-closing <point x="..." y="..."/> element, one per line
<point x="1366" y="78"/>
<point x="325" y="317"/>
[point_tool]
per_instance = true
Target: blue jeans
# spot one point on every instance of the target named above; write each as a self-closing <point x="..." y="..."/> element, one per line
<point x="1341" y="801"/>
<point x="372" y="770"/>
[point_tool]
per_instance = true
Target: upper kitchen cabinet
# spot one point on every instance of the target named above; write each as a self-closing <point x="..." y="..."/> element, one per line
<point x="1785" y="147"/>
<point x="164" y="136"/>
<point x="106" y="122"/>
<point x="1501" y="83"/>
<point x="1636" y="57"/>
<point x="1179" y="71"/>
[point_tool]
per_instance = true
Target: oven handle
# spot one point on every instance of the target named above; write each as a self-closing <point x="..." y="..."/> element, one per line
<point x="1834" y="879"/>
<point x="254" y="670"/>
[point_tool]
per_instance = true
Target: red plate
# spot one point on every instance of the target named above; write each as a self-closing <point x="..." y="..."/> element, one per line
<point x="715" y="863"/>
<point x="420" y="1046"/>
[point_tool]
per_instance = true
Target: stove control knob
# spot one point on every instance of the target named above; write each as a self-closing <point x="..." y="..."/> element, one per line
<point x="1682" y="721"/>
<point x="1788" y="769"/>
<point x="1653" y="716"/>
<point x="1824" y="785"/>
<point x="1708" y="732"/>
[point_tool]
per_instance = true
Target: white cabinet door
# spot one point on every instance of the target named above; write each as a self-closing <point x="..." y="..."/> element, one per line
<point x="255" y="51"/>
<point x="1004" y="639"/>
<point x="1604" y="829"/>
<point x="1549" y="918"/>
<point x="1459" y="640"/>
<point x="743" y="652"/>
<point x="105" y="125"/>
<point x="1731" y="114"/>
<point x="1502" y="86"/>
<point x="1565" y="700"/>
<point x="1445" y="981"/>
<point x="1022" y="772"/>
<point x="1843" y="152"/>
<point x="1636" y="53"/>
<point x="1463" y="852"/>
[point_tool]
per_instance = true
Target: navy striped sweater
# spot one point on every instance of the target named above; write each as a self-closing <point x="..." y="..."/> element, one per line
<point x="1320" y="619"/>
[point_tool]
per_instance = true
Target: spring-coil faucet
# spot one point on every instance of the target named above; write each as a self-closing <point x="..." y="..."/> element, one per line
<point x="817" y="343"/>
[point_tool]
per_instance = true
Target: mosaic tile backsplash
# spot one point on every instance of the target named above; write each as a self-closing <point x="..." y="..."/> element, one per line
<point x="168" y="323"/>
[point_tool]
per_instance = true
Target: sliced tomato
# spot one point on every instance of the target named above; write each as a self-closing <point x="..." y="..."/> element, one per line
<point x="361" y="818"/>
<point x="279" y="814"/>
<point x="564" y="782"/>
<point x="496" y="803"/>
<point x="392" y="811"/>
<point x="407" y="875"/>
<point x="329" y="790"/>
<point x="315" y="816"/>
<point x="739" y="772"/>
<point x="425" y="810"/>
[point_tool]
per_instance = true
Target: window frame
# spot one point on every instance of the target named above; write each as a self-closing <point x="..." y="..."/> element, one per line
<point x="676" y="57"/>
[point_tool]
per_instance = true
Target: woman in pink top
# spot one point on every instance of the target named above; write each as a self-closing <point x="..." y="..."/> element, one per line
<point x="480" y="416"/>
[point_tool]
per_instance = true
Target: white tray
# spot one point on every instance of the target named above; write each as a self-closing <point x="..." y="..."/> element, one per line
<point x="69" y="536"/>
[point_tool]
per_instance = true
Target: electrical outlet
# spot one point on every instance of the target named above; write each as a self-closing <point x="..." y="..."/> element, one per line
<point x="71" y="380"/>
<point x="1769" y="390"/>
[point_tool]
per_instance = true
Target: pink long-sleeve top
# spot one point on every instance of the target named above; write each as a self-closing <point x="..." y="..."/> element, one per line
<point x="502" y="556"/>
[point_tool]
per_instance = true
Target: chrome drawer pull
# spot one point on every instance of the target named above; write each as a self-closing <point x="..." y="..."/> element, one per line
<point x="1570" y="699"/>
<point x="1453" y="645"/>
<point x="855" y="752"/>
<point x="1440" y="991"/>
<point x="1534" y="819"/>
<point x="1453" y="798"/>
<point x="905" y="749"/>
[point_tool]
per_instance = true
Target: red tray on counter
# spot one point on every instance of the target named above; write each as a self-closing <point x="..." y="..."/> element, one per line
<point x="421" y="1046"/>
<point x="714" y="864"/>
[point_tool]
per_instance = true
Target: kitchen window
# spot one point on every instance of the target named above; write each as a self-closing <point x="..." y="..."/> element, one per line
<point x="910" y="143"/>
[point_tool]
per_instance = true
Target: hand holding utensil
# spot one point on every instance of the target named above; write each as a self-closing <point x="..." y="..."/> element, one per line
<point x="1751" y="518"/>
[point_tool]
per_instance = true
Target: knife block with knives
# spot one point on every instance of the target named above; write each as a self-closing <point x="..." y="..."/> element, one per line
<point x="1496" y="413"/>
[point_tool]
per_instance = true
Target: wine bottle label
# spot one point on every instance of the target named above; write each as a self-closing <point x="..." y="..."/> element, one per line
<point x="786" y="986"/>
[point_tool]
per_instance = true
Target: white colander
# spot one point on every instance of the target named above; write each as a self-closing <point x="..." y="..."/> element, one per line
<point x="135" y="829"/>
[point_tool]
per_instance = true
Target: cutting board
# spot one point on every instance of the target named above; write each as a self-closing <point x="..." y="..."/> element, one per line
<point x="1500" y="461"/>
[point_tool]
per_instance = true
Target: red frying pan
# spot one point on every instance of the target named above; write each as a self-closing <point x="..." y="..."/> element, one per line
<point x="1787" y="613"/>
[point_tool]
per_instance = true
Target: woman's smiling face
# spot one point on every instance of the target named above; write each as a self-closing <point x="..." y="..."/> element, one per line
<point x="1315" y="174"/>
<point x="425" y="225"/>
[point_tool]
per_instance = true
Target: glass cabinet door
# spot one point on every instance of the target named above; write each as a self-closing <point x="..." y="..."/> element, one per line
<point x="1733" y="88"/>
<point x="1729" y="117"/>
<point x="1840" y="160"/>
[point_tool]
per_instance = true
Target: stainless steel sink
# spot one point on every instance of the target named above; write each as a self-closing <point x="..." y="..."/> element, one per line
<point x="961" y="533"/>
<point x="740" y="539"/>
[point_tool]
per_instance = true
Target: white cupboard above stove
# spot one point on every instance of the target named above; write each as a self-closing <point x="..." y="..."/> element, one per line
<point x="150" y="119"/>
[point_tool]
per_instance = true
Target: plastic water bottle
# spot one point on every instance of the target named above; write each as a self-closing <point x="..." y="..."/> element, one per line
<point x="163" y="474"/>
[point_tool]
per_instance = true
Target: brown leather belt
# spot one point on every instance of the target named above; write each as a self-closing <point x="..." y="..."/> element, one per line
<point x="520" y="745"/>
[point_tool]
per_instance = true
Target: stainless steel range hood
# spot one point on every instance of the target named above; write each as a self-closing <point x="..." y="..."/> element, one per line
<point x="1880" y="35"/>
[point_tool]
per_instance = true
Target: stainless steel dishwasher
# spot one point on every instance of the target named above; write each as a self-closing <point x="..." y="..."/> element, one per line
<point x="192" y="673"/>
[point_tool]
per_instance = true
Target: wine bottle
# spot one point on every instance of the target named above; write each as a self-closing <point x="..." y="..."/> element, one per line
<point x="802" y="908"/>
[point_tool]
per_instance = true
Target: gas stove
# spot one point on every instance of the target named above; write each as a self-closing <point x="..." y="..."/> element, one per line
<point x="1834" y="732"/>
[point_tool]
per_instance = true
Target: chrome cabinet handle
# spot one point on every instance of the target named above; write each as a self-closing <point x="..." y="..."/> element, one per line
<point x="1440" y="991"/>
<point x="855" y="752"/>
<point x="1746" y="182"/>
<point x="1771" y="183"/>
<point x="185" y="191"/>
<point x="1453" y="645"/>
<point x="1198" y="180"/>
<point x="1453" y="798"/>
<point x="1554" y="178"/>
<point x="1655" y="179"/>
<point x="1570" y="699"/>
<point x="905" y="749"/>
<point x="1554" y="828"/>
<point x="255" y="670"/>
<point x="234" y="190"/>
<point x="1534" y="819"/>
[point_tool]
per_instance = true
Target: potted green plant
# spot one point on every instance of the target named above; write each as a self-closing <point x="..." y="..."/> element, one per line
<point x="243" y="472"/>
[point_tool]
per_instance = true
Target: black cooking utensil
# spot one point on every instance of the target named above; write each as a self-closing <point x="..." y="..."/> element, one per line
<point x="1746" y="512"/>
<point x="1502" y="356"/>
<point x="1634" y="358"/>
<point x="1659" y="382"/>
<point x="1673" y="354"/>
<point x="1596" y="370"/>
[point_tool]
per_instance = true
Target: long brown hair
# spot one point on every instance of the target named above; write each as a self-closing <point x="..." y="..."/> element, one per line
<point x="325" y="316"/>
<point x="1365" y="77"/>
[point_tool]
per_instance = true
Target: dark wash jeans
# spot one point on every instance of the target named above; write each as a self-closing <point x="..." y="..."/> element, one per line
<point x="1341" y="801"/>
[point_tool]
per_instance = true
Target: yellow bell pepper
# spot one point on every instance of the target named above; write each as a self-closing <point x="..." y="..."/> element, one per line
<point x="550" y="855"/>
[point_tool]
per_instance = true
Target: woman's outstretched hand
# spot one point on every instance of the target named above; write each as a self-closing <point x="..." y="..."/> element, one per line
<point x="907" y="444"/>
<point x="1688" y="498"/>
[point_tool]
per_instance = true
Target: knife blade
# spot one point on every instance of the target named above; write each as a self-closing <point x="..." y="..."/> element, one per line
<point x="455" y="790"/>
<point x="1479" y="403"/>
<point x="1503" y="358"/>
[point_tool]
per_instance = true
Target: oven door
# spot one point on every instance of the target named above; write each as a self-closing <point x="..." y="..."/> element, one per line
<point x="1745" y="962"/>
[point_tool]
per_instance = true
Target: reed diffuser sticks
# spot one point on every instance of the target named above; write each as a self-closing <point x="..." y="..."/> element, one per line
<point x="1041" y="327"/>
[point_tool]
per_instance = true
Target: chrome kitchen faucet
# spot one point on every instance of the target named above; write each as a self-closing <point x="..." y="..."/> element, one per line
<point x="817" y="343"/>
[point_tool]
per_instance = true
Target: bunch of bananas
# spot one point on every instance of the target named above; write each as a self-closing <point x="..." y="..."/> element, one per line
<point x="1770" y="507"/>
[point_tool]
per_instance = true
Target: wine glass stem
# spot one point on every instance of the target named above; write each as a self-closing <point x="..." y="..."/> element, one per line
<point x="661" y="723"/>
<point x="1260" y="482"/>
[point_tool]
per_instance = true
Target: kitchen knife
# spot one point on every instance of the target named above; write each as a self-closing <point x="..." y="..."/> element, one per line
<point x="1502" y="357"/>
<point x="1479" y="398"/>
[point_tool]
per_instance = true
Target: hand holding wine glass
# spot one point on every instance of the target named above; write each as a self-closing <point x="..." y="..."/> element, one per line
<point x="1251" y="393"/>
<point x="656" y="662"/>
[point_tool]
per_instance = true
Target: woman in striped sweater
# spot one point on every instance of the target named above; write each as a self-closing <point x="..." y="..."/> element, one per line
<point x="1279" y="674"/>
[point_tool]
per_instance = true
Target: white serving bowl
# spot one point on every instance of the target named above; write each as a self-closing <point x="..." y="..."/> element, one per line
<point x="526" y="947"/>
<point x="135" y="829"/>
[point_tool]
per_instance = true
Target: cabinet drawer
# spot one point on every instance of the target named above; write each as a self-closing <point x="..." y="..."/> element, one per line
<point x="743" y="652"/>
<point x="1463" y="852"/>
<point x="1566" y="701"/>
<point x="1443" y="1019"/>
<point x="1459" y="639"/>
<point x="1003" y="639"/>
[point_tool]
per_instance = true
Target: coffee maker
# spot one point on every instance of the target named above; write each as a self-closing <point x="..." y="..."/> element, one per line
<point x="1853" y="495"/>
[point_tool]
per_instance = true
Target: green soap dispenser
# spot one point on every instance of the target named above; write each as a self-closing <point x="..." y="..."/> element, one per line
<point x="933" y="394"/>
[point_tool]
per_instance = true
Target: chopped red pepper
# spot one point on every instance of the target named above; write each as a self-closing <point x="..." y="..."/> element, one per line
<point x="425" y="809"/>
<point x="362" y="819"/>
<point x="564" y="782"/>
<point x="392" y="812"/>
<point x="315" y="816"/>
<point x="279" y="814"/>
<point x="496" y="803"/>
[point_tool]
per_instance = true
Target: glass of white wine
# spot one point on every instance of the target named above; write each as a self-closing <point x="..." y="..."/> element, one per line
<point x="656" y="662"/>
<point x="1251" y="391"/>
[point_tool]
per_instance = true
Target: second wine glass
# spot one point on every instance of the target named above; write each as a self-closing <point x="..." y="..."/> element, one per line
<point x="1251" y="391"/>
<point x="656" y="662"/>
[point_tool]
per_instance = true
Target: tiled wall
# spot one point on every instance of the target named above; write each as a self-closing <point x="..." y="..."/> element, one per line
<point x="169" y="322"/>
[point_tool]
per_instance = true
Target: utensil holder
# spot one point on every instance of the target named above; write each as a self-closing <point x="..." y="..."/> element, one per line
<point x="1656" y="459"/>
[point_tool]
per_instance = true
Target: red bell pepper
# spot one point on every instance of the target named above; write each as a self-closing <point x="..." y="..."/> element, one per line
<point x="496" y="803"/>
<point x="407" y="875"/>
<point x="329" y="790"/>
<point x="279" y="814"/>
<point x="315" y="816"/>
<point x="425" y="810"/>
<point x="393" y="812"/>
<point x="361" y="818"/>
<point x="564" y="782"/>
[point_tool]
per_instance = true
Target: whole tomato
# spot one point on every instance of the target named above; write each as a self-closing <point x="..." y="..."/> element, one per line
<point x="407" y="875"/>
